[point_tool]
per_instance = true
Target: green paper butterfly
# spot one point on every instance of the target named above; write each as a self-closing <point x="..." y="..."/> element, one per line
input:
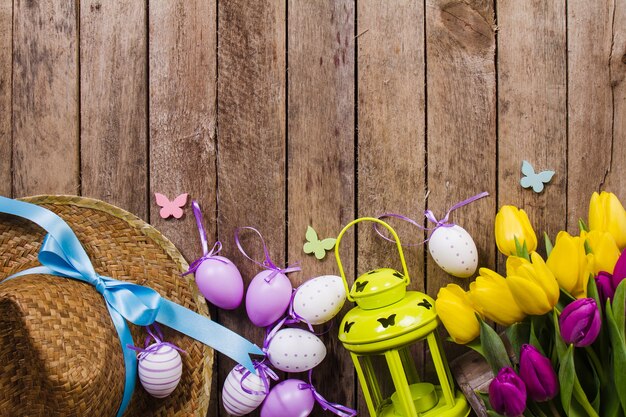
<point x="316" y="246"/>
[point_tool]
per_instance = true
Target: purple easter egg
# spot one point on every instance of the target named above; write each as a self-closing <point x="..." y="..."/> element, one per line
<point x="220" y="282"/>
<point x="287" y="399"/>
<point x="266" y="301"/>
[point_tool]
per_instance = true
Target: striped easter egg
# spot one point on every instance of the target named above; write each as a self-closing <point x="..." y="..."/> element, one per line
<point x="238" y="402"/>
<point x="160" y="370"/>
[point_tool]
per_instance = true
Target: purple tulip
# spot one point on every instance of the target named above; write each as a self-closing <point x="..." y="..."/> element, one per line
<point x="536" y="371"/>
<point x="619" y="272"/>
<point x="580" y="322"/>
<point x="507" y="393"/>
<point x="604" y="282"/>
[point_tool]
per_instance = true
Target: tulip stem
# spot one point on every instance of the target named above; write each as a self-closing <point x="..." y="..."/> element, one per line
<point x="596" y="364"/>
<point x="553" y="409"/>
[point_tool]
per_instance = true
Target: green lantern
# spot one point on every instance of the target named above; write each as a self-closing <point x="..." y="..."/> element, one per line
<point x="379" y="332"/>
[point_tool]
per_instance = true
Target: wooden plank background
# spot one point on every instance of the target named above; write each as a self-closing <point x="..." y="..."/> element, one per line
<point x="285" y="114"/>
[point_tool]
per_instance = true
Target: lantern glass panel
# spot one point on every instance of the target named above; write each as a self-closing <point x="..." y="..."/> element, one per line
<point x="378" y="379"/>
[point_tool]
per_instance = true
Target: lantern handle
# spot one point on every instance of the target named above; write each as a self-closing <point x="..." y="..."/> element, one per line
<point x="407" y="280"/>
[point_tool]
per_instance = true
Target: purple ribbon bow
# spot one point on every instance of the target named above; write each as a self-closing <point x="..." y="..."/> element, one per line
<point x="267" y="262"/>
<point x="154" y="333"/>
<point x="263" y="371"/>
<point x="338" y="409"/>
<point x="430" y="216"/>
<point x="207" y="254"/>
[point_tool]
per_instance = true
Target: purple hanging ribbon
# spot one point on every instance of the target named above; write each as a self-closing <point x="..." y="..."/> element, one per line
<point x="267" y="262"/>
<point x="263" y="371"/>
<point x="338" y="409"/>
<point x="154" y="333"/>
<point x="207" y="254"/>
<point x="430" y="216"/>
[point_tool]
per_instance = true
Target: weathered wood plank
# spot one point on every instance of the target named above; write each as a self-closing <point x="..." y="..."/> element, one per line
<point x="391" y="134"/>
<point x="45" y="98"/>
<point x="321" y="156"/>
<point x="596" y="104"/>
<point x="251" y="140"/>
<point x="6" y="113"/>
<point x="461" y="108"/>
<point x="113" y="103"/>
<point x="183" y="87"/>
<point x="532" y="108"/>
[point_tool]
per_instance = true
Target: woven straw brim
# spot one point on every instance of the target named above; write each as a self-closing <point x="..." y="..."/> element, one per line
<point x="59" y="352"/>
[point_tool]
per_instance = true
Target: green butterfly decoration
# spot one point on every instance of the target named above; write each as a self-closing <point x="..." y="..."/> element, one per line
<point x="316" y="246"/>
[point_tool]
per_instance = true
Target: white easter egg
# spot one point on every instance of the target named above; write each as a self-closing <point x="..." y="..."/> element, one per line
<point x="319" y="299"/>
<point x="454" y="250"/>
<point x="160" y="371"/>
<point x="295" y="350"/>
<point x="237" y="401"/>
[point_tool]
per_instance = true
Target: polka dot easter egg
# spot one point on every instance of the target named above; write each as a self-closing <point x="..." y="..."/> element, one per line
<point x="319" y="299"/>
<point x="295" y="350"/>
<point x="160" y="370"/>
<point x="454" y="250"/>
<point x="237" y="401"/>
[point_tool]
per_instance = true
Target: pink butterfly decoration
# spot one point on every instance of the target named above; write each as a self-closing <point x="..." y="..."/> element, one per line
<point x="171" y="208"/>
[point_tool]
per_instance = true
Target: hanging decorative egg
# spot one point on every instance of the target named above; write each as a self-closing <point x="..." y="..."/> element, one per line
<point x="268" y="297"/>
<point x="287" y="399"/>
<point x="295" y="350"/>
<point x="220" y="282"/>
<point x="237" y="401"/>
<point x="319" y="299"/>
<point x="160" y="368"/>
<point x="454" y="250"/>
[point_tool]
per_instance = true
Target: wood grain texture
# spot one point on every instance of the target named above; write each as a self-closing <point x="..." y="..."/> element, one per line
<point x="251" y="141"/>
<point x="597" y="103"/>
<point x="321" y="157"/>
<point x="461" y="107"/>
<point x="183" y="117"/>
<point x="532" y="108"/>
<point x="45" y="98"/>
<point x="6" y="112"/>
<point x="114" y="103"/>
<point x="391" y="142"/>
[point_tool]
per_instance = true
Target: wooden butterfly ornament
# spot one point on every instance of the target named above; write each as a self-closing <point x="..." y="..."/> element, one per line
<point x="171" y="208"/>
<point x="316" y="246"/>
<point x="534" y="180"/>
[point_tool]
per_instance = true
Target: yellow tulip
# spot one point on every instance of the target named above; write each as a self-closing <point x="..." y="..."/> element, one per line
<point x="510" y="223"/>
<point x="457" y="314"/>
<point x="570" y="265"/>
<point x="604" y="249"/>
<point x="607" y="214"/>
<point x="532" y="284"/>
<point x="492" y="297"/>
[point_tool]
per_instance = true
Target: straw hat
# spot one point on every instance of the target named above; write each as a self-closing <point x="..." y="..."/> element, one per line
<point x="59" y="352"/>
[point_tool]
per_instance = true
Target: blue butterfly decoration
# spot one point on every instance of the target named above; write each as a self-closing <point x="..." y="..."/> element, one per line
<point x="534" y="180"/>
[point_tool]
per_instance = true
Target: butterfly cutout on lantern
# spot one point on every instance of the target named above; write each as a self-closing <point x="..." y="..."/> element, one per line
<point x="534" y="180"/>
<point x="171" y="208"/>
<point x="316" y="246"/>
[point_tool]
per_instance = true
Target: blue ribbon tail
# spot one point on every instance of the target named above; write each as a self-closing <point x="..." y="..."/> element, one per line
<point x="130" y="358"/>
<point x="208" y="332"/>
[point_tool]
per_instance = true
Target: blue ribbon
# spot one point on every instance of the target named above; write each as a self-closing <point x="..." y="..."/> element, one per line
<point x="62" y="254"/>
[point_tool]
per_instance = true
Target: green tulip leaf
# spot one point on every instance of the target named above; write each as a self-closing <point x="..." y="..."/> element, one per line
<point x="493" y="348"/>
<point x="602" y="341"/>
<point x="588" y="249"/>
<point x="522" y="250"/>
<point x="619" y="300"/>
<point x="492" y="413"/>
<point x="518" y="334"/>
<point x="558" y="340"/>
<point x="582" y="226"/>
<point x="567" y="374"/>
<point x="548" y="243"/>
<point x="475" y="345"/>
<point x="619" y="354"/>
<point x="536" y="326"/>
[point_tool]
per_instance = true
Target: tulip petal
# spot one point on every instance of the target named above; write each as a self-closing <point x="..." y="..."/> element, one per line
<point x="457" y="314"/>
<point x="529" y="296"/>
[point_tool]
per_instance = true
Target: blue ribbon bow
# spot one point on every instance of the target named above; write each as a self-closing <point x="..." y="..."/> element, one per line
<point x="62" y="254"/>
